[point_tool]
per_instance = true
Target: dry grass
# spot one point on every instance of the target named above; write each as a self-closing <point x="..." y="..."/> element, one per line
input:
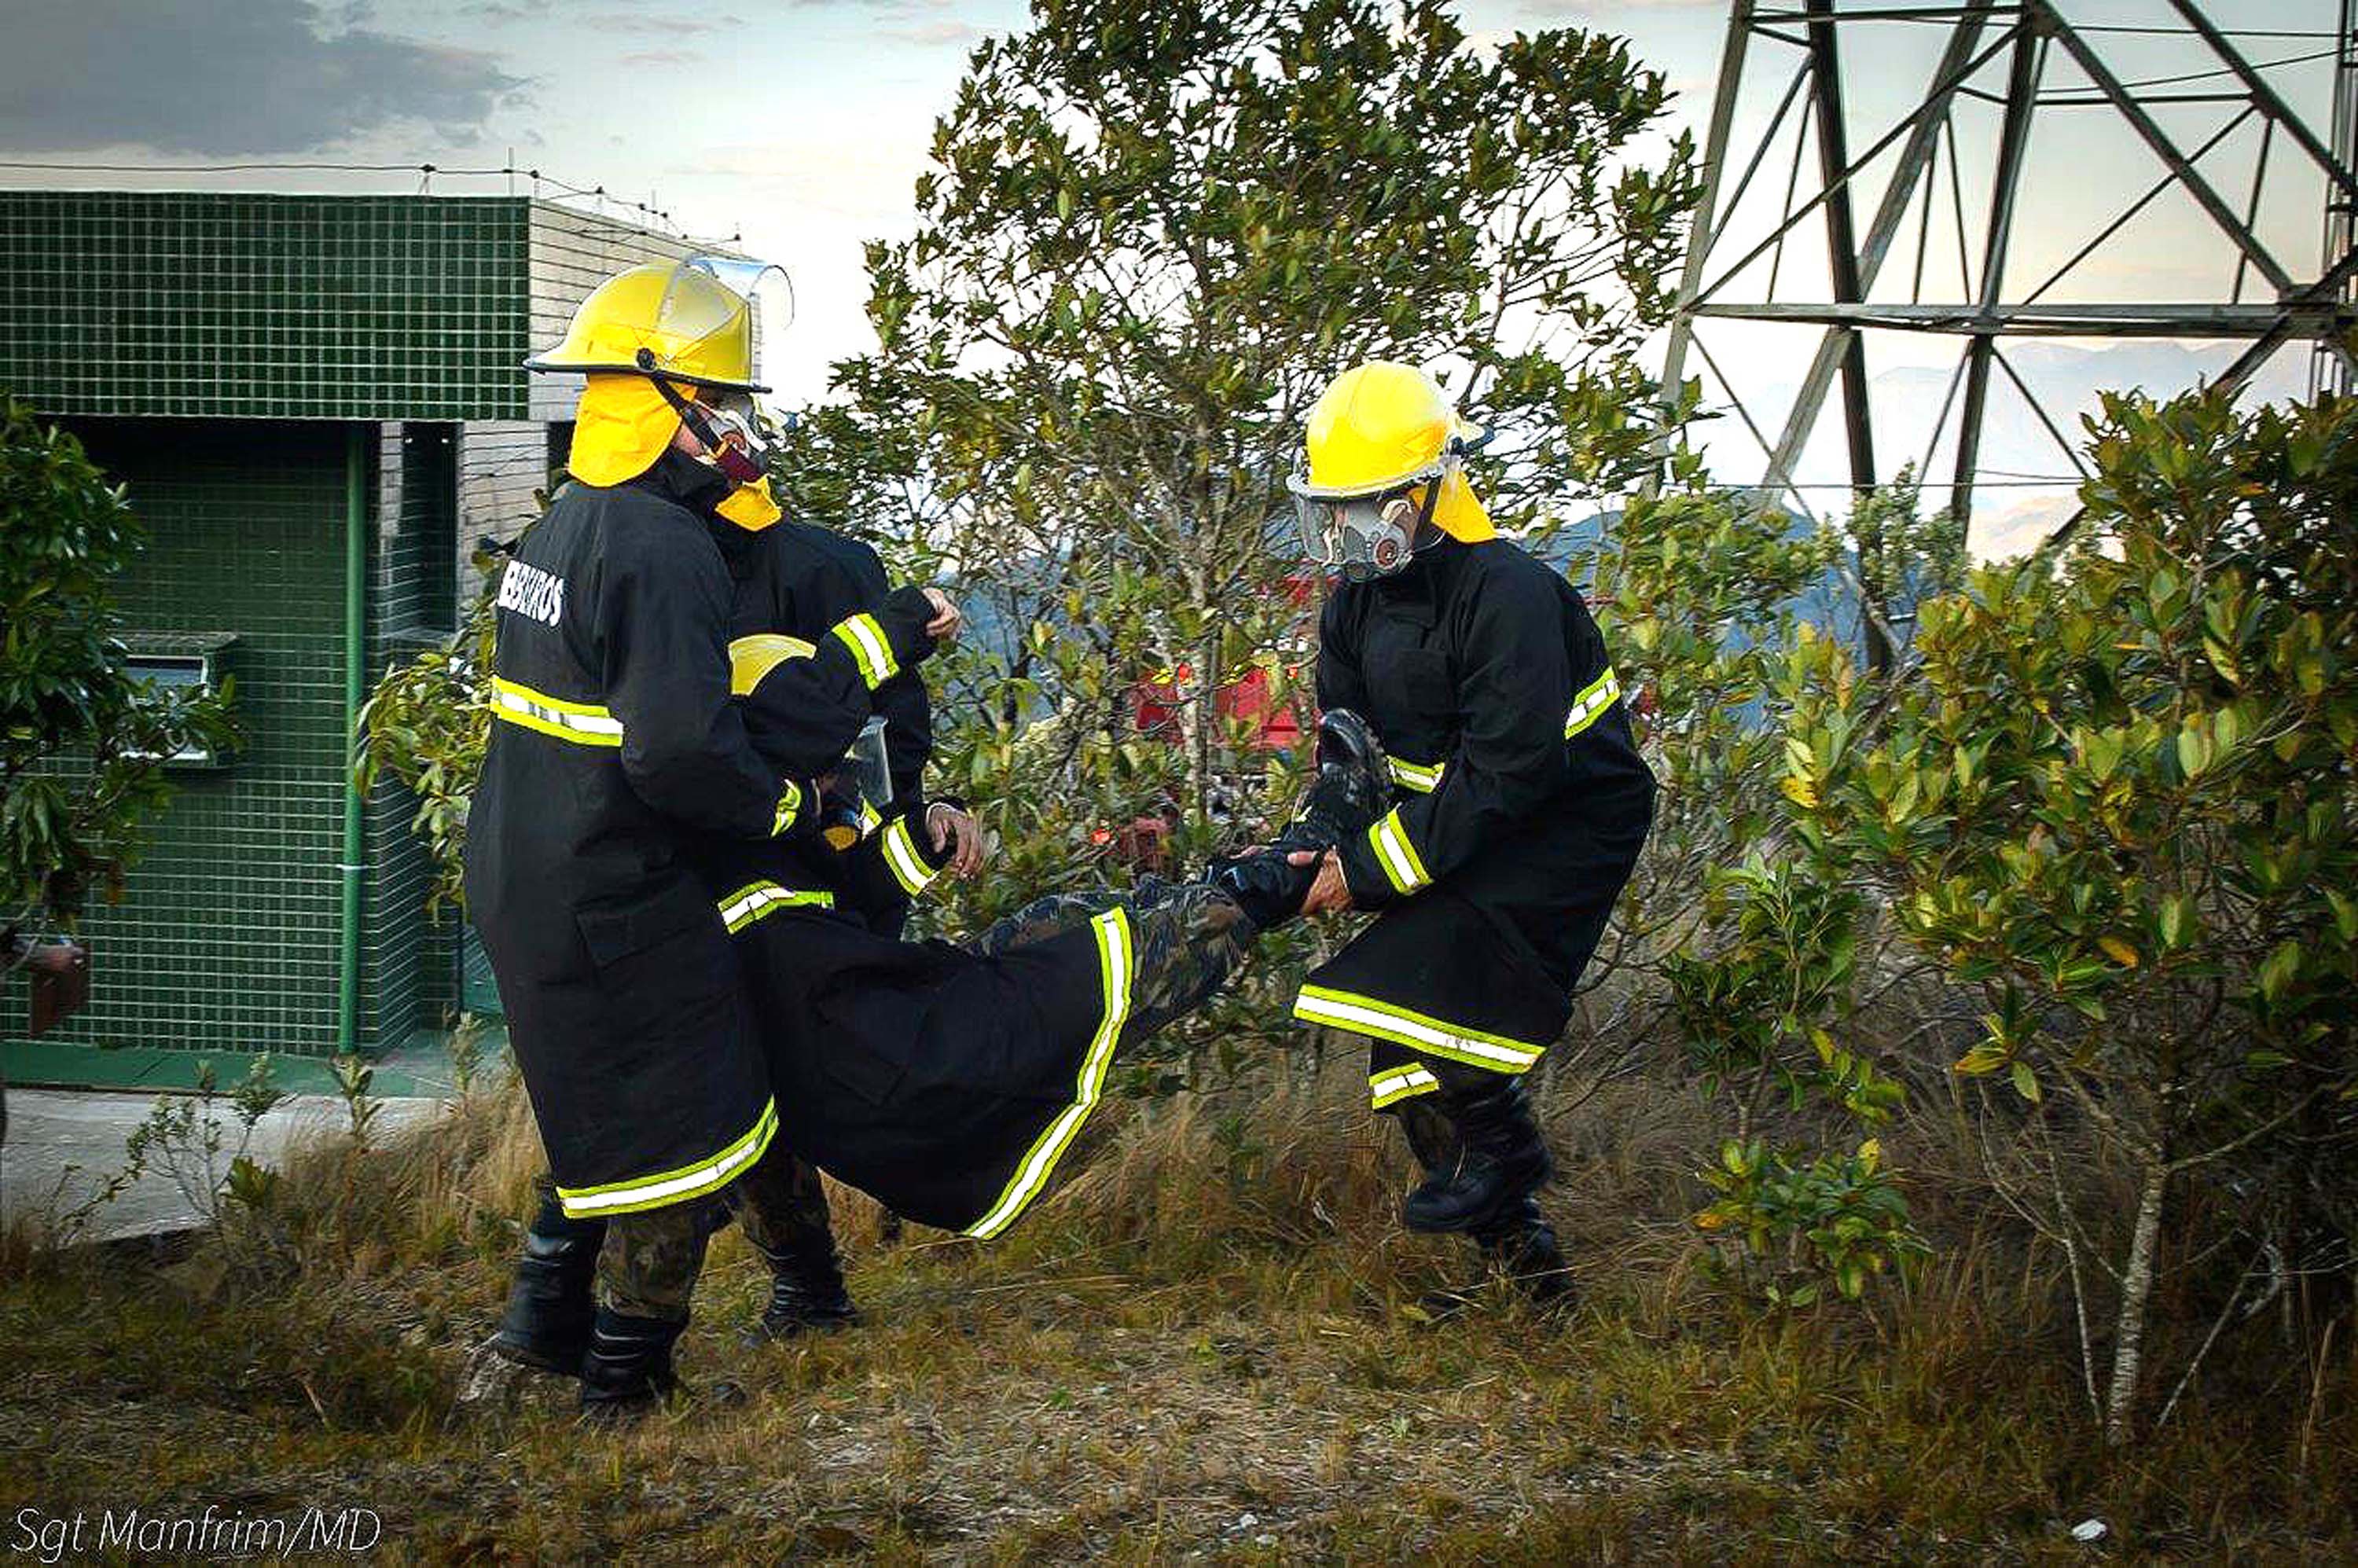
<point x="1203" y="1345"/>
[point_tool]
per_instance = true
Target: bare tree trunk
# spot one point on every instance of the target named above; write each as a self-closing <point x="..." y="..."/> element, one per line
<point x="2137" y="1291"/>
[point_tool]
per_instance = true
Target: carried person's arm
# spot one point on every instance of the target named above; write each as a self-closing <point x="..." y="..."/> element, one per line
<point x="803" y="713"/>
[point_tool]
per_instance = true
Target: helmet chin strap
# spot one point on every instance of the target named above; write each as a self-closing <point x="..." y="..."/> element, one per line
<point x="731" y="460"/>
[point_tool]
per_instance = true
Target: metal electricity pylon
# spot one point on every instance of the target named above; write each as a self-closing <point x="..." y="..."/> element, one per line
<point x="2028" y="59"/>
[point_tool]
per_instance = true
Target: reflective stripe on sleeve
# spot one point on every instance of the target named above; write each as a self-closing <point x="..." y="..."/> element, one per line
<point x="675" y="1186"/>
<point x="1402" y="1026"/>
<point x="582" y="723"/>
<point x="1421" y="777"/>
<point x="751" y="902"/>
<point x="1117" y="958"/>
<point x="1594" y="699"/>
<point x="909" y="868"/>
<point x="1397" y="855"/>
<point x="869" y="648"/>
<point x="1397" y="1084"/>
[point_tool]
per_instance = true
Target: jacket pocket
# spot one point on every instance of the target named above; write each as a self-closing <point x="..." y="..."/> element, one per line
<point x="870" y="1075"/>
<point x="615" y="929"/>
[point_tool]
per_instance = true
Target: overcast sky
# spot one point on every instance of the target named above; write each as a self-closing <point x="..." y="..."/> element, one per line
<point x="802" y="125"/>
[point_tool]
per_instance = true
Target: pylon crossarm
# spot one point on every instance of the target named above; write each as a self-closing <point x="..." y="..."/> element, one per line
<point x="1851" y="170"/>
<point x="2268" y="101"/>
<point x="2159" y="140"/>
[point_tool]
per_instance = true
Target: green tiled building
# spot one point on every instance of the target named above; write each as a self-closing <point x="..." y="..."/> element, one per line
<point x="318" y="406"/>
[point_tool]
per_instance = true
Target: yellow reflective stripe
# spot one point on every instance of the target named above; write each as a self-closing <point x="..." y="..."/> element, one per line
<point x="1397" y="1084"/>
<point x="909" y="868"/>
<point x="1421" y="777"/>
<point x="1402" y="1026"/>
<point x="869" y="648"/>
<point x="1397" y="855"/>
<point x="1594" y="699"/>
<point x="751" y="902"/>
<point x="1115" y="959"/>
<point x="869" y="819"/>
<point x="583" y="723"/>
<point x="790" y="806"/>
<point x="675" y="1186"/>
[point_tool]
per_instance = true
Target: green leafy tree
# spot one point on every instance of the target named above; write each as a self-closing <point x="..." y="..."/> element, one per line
<point x="1149" y="237"/>
<point x="427" y="723"/>
<point x="1751" y="958"/>
<point x="82" y="738"/>
<point x="2116" y="799"/>
<point x="1150" y="234"/>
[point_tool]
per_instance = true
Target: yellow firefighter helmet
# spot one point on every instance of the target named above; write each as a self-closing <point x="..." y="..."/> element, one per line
<point x="1382" y="454"/>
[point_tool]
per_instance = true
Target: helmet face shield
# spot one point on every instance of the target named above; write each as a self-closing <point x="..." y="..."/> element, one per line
<point x="720" y="308"/>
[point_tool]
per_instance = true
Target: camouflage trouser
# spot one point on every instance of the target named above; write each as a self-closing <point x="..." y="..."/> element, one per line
<point x="781" y="1204"/>
<point x="648" y="1265"/>
<point x="1185" y="937"/>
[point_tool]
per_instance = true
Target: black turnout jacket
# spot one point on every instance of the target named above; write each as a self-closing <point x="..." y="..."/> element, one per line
<point x="1521" y="802"/>
<point x="616" y="750"/>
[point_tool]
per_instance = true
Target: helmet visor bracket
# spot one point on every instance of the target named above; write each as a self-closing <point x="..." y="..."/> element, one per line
<point x="728" y="427"/>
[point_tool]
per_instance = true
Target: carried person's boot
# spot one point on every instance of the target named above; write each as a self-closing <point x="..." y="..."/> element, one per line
<point x="1265" y="884"/>
<point x="627" y="1373"/>
<point x="1353" y="787"/>
<point x="1502" y="1159"/>
<point x="547" y="1320"/>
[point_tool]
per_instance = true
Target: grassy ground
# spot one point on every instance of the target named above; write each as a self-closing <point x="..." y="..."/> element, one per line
<point x="1207" y="1347"/>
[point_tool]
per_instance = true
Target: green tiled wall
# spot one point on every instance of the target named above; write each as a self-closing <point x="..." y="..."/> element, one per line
<point x="226" y="939"/>
<point x="201" y="343"/>
<point x="195" y="304"/>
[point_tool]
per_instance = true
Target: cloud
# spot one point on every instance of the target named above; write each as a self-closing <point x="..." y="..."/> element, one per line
<point x="195" y="76"/>
<point x="932" y="34"/>
<point x="661" y="25"/>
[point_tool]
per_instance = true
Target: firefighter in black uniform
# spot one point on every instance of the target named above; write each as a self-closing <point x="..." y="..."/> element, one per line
<point x="1523" y="807"/>
<point x="619" y="747"/>
<point x="793" y="583"/>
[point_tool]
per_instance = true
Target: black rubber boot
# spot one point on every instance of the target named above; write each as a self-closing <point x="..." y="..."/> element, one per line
<point x="807" y="1290"/>
<point x="1502" y="1159"/>
<point x="1265" y="884"/>
<point x="784" y="1208"/>
<point x="1353" y="787"/>
<point x="1522" y="1247"/>
<point x="627" y="1373"/>
<point x="547" y="1321"/>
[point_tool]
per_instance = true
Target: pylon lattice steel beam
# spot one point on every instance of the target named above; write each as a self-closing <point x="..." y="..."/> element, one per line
<point x="2316" y="306"/>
